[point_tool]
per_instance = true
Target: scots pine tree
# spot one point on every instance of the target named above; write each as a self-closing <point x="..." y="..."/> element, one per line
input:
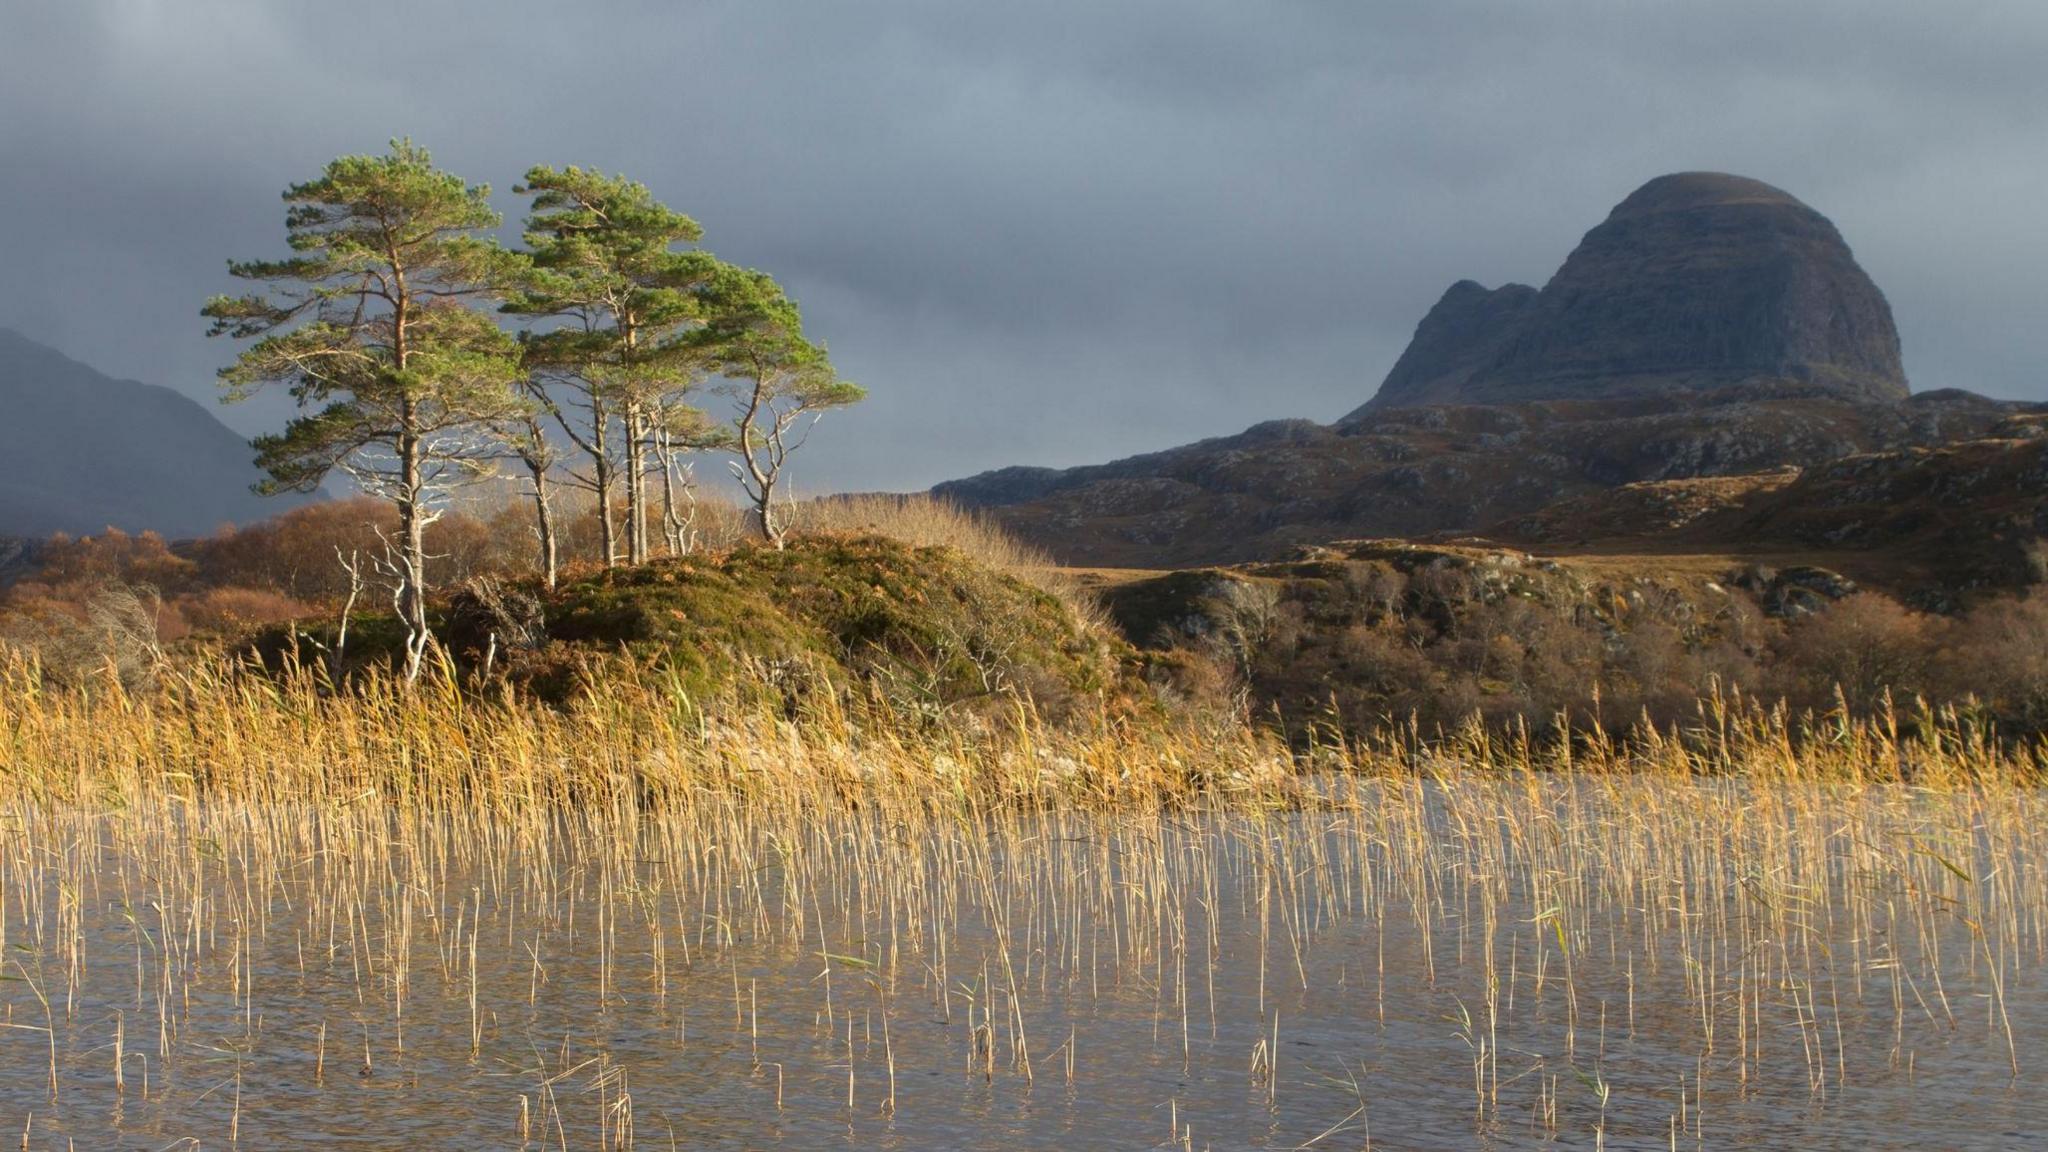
<point x="614" y="286"/>
<point x="751" y="337"/>
<point x="370" y="327"/>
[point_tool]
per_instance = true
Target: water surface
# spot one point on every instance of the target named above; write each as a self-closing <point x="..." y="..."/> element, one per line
<point x="1491" y="964"/>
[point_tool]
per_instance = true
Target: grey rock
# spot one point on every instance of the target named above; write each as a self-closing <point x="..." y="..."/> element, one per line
<point x="1697" y="280"/>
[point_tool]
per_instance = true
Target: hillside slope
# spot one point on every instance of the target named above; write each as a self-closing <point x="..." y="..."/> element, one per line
<point x="80" y="451"/>
<point x="1419" y="471"/>
<point x="1933" y="523"/>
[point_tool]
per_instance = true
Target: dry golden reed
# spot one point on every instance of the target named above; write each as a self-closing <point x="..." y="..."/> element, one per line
<point x="1783" y="902"/>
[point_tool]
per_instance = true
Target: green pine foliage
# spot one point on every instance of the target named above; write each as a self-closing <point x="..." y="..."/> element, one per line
<point x="779" y="382"/>
<point x="369" y="327"/>
<point x="615" y="284"/>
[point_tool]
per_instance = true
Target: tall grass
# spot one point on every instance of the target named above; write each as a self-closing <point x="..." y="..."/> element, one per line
<point x="925" y="521"/>
<point x="216" y="730"/>
<point x="1786" y="905"/>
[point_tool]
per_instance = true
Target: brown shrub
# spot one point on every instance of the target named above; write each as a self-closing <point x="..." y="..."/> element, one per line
<point x="114" y="557"/>
<point x="295" y="553"/>
<point x="1999" y="655"/>
<point x="113" y="628"/>
<point x="227" y="611"/>
<point x="1865" y="646"/>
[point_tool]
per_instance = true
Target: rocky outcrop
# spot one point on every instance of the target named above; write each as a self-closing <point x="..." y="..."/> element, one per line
<point x="1697" y="280"/>
<point x="1934" y="523"/>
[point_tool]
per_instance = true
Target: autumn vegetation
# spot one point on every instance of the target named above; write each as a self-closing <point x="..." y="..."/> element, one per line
<point x="1314" y="651"/>
<point x="522" y="427"/>
<point x="533" y="699"/>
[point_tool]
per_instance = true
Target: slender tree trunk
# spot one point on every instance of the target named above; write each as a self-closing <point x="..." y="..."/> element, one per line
<point x="671" y="524"/>
<point x="636" y="484"/>
<point x="636" y="460"/>
<point x="412" y="551"/>
<point x="601" y="475"/>
<point x="763" y="488"/>
<point x="544" y="523"/>
<point x="772" y="530"/>
<point x="412" y="524"/>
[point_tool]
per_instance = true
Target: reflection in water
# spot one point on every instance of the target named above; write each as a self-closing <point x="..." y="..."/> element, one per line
<point x="1492" y="963"/>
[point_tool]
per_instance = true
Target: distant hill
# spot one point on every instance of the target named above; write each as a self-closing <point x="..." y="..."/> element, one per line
<point x="81" y="452"/>
<point x="1934" y="522"/>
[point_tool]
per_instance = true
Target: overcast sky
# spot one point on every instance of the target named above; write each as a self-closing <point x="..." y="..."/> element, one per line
<point x="1045" y="232"/>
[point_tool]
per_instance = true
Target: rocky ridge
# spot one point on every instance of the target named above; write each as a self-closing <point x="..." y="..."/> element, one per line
<point x="1933" y="523"/>
<point x="1438" y="469"/>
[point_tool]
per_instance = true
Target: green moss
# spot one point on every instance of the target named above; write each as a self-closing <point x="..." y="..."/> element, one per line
<point x="375" y="639"/>
<point x="688" y="617"/>
<point x="926" y="627"/>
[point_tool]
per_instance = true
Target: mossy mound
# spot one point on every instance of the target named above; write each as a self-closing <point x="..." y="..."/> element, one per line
<point x="923" y="626"/>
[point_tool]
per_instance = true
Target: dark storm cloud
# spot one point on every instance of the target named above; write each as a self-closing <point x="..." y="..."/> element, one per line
<point x="1045" y="232"/>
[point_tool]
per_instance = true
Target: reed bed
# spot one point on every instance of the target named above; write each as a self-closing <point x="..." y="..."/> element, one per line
<point x="237" y="908"/>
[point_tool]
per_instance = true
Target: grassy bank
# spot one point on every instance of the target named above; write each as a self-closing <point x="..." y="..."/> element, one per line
<point x="638" y="736"/>
<point x="906" y="653"/>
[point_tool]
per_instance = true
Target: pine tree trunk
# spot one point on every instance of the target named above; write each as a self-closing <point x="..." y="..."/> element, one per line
<point x="764" y="508"/>
<point x="412" y="555"/>
<point x="636" y="485"/>
<point x="671" y="524"/>
<point x="544" y="522"/>
<point x="601" y="473"/>
<point x="764" y="477"/>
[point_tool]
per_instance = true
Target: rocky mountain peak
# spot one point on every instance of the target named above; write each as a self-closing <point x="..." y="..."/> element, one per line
<point x="1683" y="191"/>
<point x="1697" y="280"/>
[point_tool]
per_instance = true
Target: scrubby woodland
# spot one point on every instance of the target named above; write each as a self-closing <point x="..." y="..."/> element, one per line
<point x="1383" y="633"/>
<point x="384" y="327"/>
<point x="940" y="614"/>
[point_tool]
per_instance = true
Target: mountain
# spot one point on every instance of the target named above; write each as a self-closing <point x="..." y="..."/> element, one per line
<point x="1696" y="280"/>
<point x="80" y="452"/>
<point x="1711" y="326"/>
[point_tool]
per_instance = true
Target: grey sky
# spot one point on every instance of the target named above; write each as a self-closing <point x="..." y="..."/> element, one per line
<point x="1045" y="232"/>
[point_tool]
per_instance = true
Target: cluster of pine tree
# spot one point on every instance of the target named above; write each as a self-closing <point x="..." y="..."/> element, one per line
<point x="388" y="325"/>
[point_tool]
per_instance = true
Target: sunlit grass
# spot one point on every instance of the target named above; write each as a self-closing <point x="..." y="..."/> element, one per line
<point x="1795" y="906"/>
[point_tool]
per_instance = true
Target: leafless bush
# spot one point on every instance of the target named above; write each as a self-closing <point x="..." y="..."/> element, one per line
<point x="115" y="630"/>
<point x="1245" y="614"/>
<point x="2000" y="656"/>
<point x="230" y="610"/>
